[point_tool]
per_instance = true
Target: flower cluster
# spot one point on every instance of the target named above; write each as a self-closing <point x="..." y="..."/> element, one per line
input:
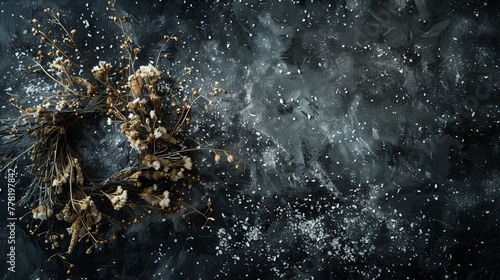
<point x="152" y="113"/>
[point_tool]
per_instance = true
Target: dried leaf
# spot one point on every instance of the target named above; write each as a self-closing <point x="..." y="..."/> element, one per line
<point x="135" y="84"/>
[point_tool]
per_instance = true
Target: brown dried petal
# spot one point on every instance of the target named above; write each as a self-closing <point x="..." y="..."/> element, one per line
<point x="135" y="84"/>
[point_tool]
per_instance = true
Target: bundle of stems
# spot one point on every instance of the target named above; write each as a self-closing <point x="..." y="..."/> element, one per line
<point x="152" y="112"/>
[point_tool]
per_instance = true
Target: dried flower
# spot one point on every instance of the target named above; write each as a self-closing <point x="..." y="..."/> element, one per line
<point x="58" y="182"/>
<point x="156" y="165"/>
<point x="101" y="71"/>
<point x="160" y="131"/>
<point x="61" y="105"/>
<point x="148" y="71"/>
<point x="42" y="212"/>
<point x="165" y="202"/>
<point x="188" y="164"/>
<point x="118" y="198"/>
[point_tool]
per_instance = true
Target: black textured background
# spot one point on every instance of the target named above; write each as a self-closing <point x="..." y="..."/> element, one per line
<point x="371" y="129"/>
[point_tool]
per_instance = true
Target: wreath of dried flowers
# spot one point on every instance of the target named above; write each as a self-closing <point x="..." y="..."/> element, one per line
<point x="143" y="101"/>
